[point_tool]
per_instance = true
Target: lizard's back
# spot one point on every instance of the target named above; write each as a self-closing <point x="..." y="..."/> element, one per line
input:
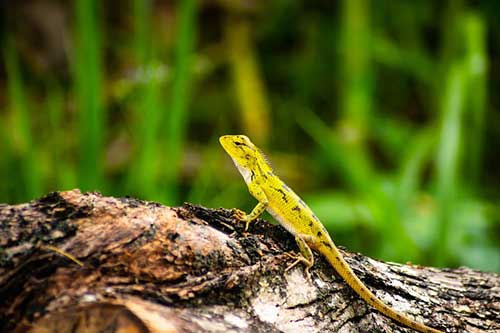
<point x="290" y="210"/>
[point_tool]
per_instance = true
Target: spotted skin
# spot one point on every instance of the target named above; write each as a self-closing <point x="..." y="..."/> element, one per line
<point x="292" y="213"/>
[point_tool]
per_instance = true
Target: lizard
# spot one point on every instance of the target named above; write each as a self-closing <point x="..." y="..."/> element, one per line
<point x="297" y="218"/>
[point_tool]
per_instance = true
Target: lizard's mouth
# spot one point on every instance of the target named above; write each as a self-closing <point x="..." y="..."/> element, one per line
<point x="225" y="141"/>
<point x="237" y="145"/>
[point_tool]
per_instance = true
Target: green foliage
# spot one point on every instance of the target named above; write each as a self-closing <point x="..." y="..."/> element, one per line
<point x="377" y="114"/>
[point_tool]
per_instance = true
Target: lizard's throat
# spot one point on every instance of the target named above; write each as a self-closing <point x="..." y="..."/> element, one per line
<point x="246" y="173"/>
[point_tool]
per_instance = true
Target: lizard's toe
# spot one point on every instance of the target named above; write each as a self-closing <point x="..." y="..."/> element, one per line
<point x="238" y="214"/>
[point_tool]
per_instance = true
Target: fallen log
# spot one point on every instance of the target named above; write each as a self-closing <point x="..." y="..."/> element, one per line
<point x="151" y="268"/>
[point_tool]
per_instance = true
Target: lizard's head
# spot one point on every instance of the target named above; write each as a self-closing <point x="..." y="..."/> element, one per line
<point x="240" y="148"/>
<point x="246" y="156"/>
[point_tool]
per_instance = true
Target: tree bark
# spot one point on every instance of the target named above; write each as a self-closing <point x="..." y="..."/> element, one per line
<point x="151" y="268"/>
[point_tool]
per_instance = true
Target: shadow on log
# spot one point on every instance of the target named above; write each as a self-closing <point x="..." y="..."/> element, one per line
<point x="151" y="268"/>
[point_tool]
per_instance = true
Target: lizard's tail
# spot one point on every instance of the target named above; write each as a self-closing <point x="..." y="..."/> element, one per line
<point x="337" y="261"/>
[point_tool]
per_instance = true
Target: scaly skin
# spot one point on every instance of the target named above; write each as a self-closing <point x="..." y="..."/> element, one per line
<point x="288" y="209"/>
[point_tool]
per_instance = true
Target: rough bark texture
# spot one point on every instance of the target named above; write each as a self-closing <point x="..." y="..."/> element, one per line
<point x="151" y="268"/>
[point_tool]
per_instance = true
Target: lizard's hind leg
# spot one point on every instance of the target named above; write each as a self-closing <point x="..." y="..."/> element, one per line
<point x="305" y="256"/>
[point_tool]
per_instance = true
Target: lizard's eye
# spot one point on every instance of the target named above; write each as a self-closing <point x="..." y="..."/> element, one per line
<point x="239" y="143"/>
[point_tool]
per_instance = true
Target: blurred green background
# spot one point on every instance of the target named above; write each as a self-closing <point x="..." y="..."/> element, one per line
<point x="381" y="114"/>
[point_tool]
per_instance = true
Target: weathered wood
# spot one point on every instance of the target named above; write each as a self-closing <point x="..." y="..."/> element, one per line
<point x="151" y="268"/>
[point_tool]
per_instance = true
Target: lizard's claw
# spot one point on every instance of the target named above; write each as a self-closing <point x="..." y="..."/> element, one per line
<point x="299" y="258"/>
<point x="241" y="216"/>
<point x="238" y="214"/>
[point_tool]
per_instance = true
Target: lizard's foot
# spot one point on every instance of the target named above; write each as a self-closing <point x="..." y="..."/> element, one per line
<point x="299" y="258"/>
<point x="241" y="216"/>
<point x="238" y="214"/>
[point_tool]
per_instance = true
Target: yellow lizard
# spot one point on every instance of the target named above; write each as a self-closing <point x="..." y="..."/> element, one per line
<point x="292" y="213"/>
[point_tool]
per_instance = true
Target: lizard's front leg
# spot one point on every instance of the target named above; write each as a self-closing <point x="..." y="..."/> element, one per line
<point x="305" y="256"/>
<point x="257" y="192"/>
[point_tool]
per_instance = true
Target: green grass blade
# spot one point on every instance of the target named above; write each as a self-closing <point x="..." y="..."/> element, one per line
<point x="142" y="178"/>
<point x="21" y="131"/>
<point x="88" y="86"/>
<point x="448" y="156"/>
<point x="416" y="155"/>
<point x="414" y="62"/>
<point x="350" y="164"/>
<point x="247" y="78"/>
<point x="476" y="66"/>
<point x="355" y="68"/>
<point x="177" y="114"/>
<point x="142" y="30"/>
<point x="58" y="145"/>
